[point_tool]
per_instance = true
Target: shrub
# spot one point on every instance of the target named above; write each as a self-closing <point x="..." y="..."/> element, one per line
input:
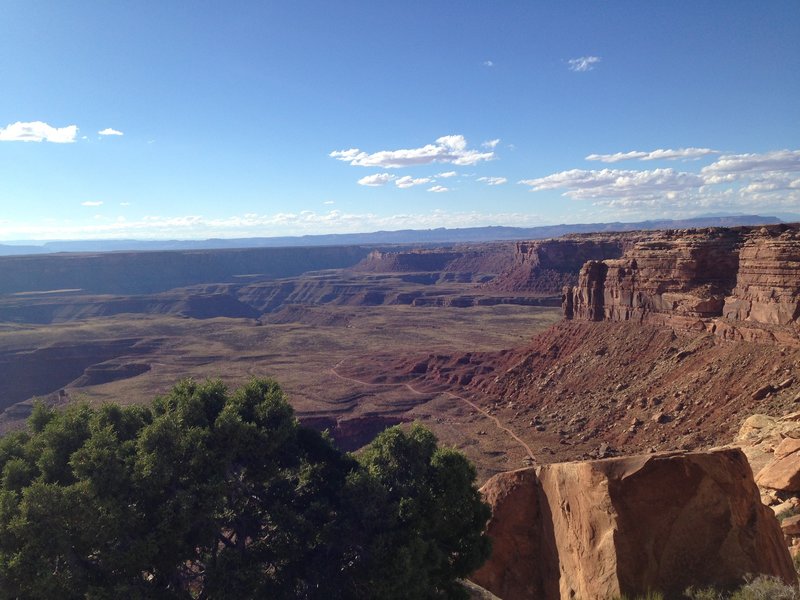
<point x="207" y="494"/>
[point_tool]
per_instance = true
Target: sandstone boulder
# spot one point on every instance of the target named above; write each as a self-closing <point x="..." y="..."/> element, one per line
<point x="599" y="529"/>
<point x="760" y="435"/>
<point x="783" y="473"/>
<point x="791" y="525"/>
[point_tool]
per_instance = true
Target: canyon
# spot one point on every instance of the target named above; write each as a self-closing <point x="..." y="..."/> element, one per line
<point x="633" y="352"/>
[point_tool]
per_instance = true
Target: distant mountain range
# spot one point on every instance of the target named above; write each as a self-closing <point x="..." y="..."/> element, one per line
<point x="404" y="236"/>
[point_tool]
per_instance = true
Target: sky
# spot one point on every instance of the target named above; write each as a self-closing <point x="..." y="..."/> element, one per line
<point x="172" y="119"/>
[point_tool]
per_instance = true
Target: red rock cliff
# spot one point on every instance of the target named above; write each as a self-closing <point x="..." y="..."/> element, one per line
<point x="546" y="266"/>
<point x="729" y="281"/>
<point x="600" y="529"/>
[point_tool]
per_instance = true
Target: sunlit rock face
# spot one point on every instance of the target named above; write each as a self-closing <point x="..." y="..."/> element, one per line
<point x="600" y="529"/>
<point x="741" y="283"/>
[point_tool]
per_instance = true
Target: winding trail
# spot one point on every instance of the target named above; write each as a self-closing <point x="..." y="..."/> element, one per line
<point x="413" y="390"/>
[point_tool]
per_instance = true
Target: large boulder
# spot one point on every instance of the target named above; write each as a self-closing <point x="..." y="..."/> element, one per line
<point x="624" y="526"/>
<point x="760" y="435"/>
<point x="783" y="473"/>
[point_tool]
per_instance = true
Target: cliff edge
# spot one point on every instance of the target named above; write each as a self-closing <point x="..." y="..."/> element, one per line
<point x="741" y="283"/>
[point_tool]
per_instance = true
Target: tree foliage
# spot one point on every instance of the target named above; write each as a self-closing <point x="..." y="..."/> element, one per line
<point x="211" y="494"/>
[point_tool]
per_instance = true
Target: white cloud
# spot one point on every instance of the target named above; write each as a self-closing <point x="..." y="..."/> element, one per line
<point x="447" y="149"/>
<point x="376" y="180"/>
<point x="438" y="189"/>
<point x="491" y="143"/>
<point x="493" y="180"/>
<point x="329" y="202"/>
<point x="668" y="154"/>
<point x="38" y="131"/>
<point x="615" y="183"/>
<point x="92" y="203"/>
<point x="487" y="63"/>
<point x="751" y="183"/>
<point x="407" y="181"/>
<point x="252" y="224"/>
<point x="739" y="165"/>
<point x="109" y="131"/>
<point x="446" y="174"/>
<point x="583" y="63"/>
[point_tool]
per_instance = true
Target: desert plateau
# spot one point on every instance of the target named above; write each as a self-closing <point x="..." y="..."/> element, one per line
<point x="399" y="301"/>
<point x="519" y="354"/>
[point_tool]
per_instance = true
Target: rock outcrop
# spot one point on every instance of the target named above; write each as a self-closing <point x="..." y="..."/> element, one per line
<point x="783" y="473"/>
<point x="546" y="266"/>
<point x="768" y="281"/>
<point x="599" y="529"/>
<point x="760" y="435"/>
<point x="741" y="283"/>
<point x="461" y="262"/>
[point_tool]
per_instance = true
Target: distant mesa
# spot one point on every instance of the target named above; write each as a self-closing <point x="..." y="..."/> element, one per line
<point x="405" y="236"/>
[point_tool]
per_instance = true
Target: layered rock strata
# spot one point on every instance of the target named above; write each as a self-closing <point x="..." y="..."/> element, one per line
<point x="625" y="526"/>
<point x="546" y="266"/>
<point x="739" y="283"/>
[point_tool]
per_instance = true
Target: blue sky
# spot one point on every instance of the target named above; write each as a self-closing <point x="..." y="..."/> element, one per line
<point x="171" y="119"/>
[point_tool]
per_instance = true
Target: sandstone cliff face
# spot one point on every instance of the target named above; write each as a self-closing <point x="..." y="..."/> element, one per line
<point x="727" y="281"/>
<point x="768" y="282"/>
<point x="474" y="259"/>
<point x="600" y="529"/>
<point x="546" y="266"/>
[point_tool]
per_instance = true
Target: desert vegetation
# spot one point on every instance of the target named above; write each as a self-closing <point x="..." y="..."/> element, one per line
<point x="205" y="493"/>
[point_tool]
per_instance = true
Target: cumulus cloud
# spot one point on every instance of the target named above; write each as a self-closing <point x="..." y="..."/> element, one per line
<point x="109" y="131"/>
<point x="493" y="180"/>
<point x="668" y="154"/>
<point x="753" y="183"/>
<point x="583" y="63"/>
<point x="491" y="143"/>
<point x="92" y="203"/>
<point x="408" y="181"/>
<point x="446" y="174"/>
<point x="438" y="189"/>
<point x="487" y="63"/>
<point x="38" y="131"/>
<point x="447" y="149"/>
<point x="376" y="180"/>
<point x="615" y="183"/>
<point x="737" y="165"/>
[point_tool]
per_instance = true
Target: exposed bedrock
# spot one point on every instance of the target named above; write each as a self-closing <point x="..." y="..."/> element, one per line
<point x="736" y="283"/>
<point x="458" y="263"/>
<point x="768" y="282"/>
<point x="625" y="526"/>
<point x="547" y="266"/>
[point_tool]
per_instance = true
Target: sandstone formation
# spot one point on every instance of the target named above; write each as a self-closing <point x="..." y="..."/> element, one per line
<point x="741" y="283"/>
<point x="768" y="281"/>
<point x="600" y="529"/>
<point x="760" y="435"/>
<point x="463" y="262"/>
<point x="546" y="266"/>
<point x="783" y="473"/>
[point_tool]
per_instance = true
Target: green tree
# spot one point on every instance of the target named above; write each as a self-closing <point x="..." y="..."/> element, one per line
<point x="207" y="494"/>
<point x="430" y="530"/>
